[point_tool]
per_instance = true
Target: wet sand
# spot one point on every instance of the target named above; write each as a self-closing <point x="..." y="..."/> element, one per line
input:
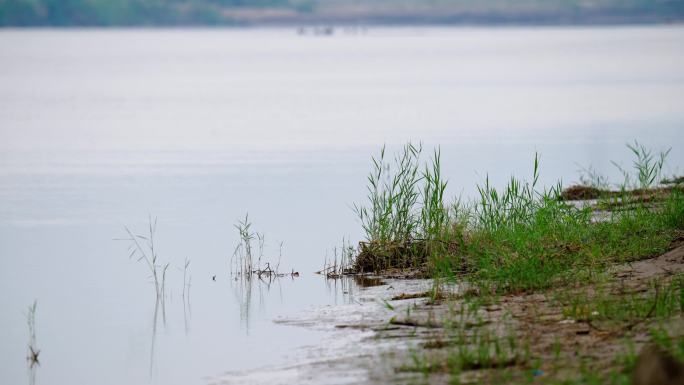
<point x="370" y="339"/>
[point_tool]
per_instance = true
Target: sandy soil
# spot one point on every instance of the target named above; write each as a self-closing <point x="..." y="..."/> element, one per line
<point x="382" y="328"/>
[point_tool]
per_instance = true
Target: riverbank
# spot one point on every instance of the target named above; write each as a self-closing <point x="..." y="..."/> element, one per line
<point x="589" y="332"/>
<point x="528" y="286"/>
<point x="398" y="331"/>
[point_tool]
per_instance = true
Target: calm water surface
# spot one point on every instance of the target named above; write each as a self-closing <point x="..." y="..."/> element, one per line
<point x="101" y="128"/>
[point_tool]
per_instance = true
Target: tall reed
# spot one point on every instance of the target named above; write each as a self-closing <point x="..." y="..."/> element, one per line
<point x="392" y="197"/>
<point x="404" y="203"/>
<point x="647" y="167"/>
<point x="406" y="218"/>
<point x="516" y="204"/>
<point x="243" y="262"/>
<point x="434" y="214"/>
<point x="341" y="262"/>
<point x="242" y="256"/>
<point x="143" y="248"/>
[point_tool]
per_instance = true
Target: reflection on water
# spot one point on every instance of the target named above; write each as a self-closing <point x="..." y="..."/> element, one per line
<point x="346" y="288"/>
<point x="32" y="373"/>
<point x="365" y="281"/>
<point x="187" y="311"/>
<point x="142" y="247"/>
<point x="343" y="290"/>
<point x="33" y="351"/>
<point x="154" y="333"/>
<point x="242" y="288"/>
<point x="246" y="286"/>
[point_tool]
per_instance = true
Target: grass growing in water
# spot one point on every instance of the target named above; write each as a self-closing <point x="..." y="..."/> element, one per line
<point x="142" y="247"/>
<point x="341" y="262"/>
<point x="246" y="260"/>
<point x="241" y="262"/>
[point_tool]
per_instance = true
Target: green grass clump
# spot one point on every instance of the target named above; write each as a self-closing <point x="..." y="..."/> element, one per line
<point x="542" y="242"/>
<point x="659" y="301"/>
<point x="390" y="216"/>
<point x="646" y="171"/>
<point x="514" y="239"/>
<point x="405" y="202"/>
<point x="247" y="257"/>
<point x="406" y="214"/>
<point x="483" y="349"/>
<point x="668" y="342"/>
<point x="647" y="167"/>
<point x="673" y="211"/>
<point x="624" y="363"/>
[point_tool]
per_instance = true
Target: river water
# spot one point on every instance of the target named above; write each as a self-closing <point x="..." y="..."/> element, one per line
<point x="101" y="129"/>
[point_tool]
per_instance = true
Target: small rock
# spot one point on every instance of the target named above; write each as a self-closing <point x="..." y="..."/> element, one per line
<point x="657" y="367"/>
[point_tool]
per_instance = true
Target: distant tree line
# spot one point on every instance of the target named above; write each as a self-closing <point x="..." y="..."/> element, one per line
<point x="121" y="12"/>
<point x="227" y="12"/>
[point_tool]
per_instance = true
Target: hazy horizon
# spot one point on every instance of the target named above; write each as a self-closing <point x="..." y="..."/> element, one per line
<point x="335" y="12"/>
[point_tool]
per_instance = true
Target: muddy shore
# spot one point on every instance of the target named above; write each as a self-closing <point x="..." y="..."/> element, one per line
<point x="377" y="337"/>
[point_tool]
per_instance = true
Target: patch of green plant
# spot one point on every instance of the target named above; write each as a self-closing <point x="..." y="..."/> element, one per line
<point x="479" y="349"/>
<point x="247" y="257"/>
<point x="405" y="217"/>
<point x="434" y="216"/>
<point x="242" y="255"/>
<point x="647" y="167"/>
<point x="660" y="301"/>
<point x="392" y="195"/>
<point x="511" y="239"/>
<point x="520" y="239"/>
<point x="620" y="372"/>
<point x="673" y="210"/>
<point x="515" y="205"/>
<point x="673" y="180"/>
<point x="669" y="342"/>
<point x="404" y="203"/>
